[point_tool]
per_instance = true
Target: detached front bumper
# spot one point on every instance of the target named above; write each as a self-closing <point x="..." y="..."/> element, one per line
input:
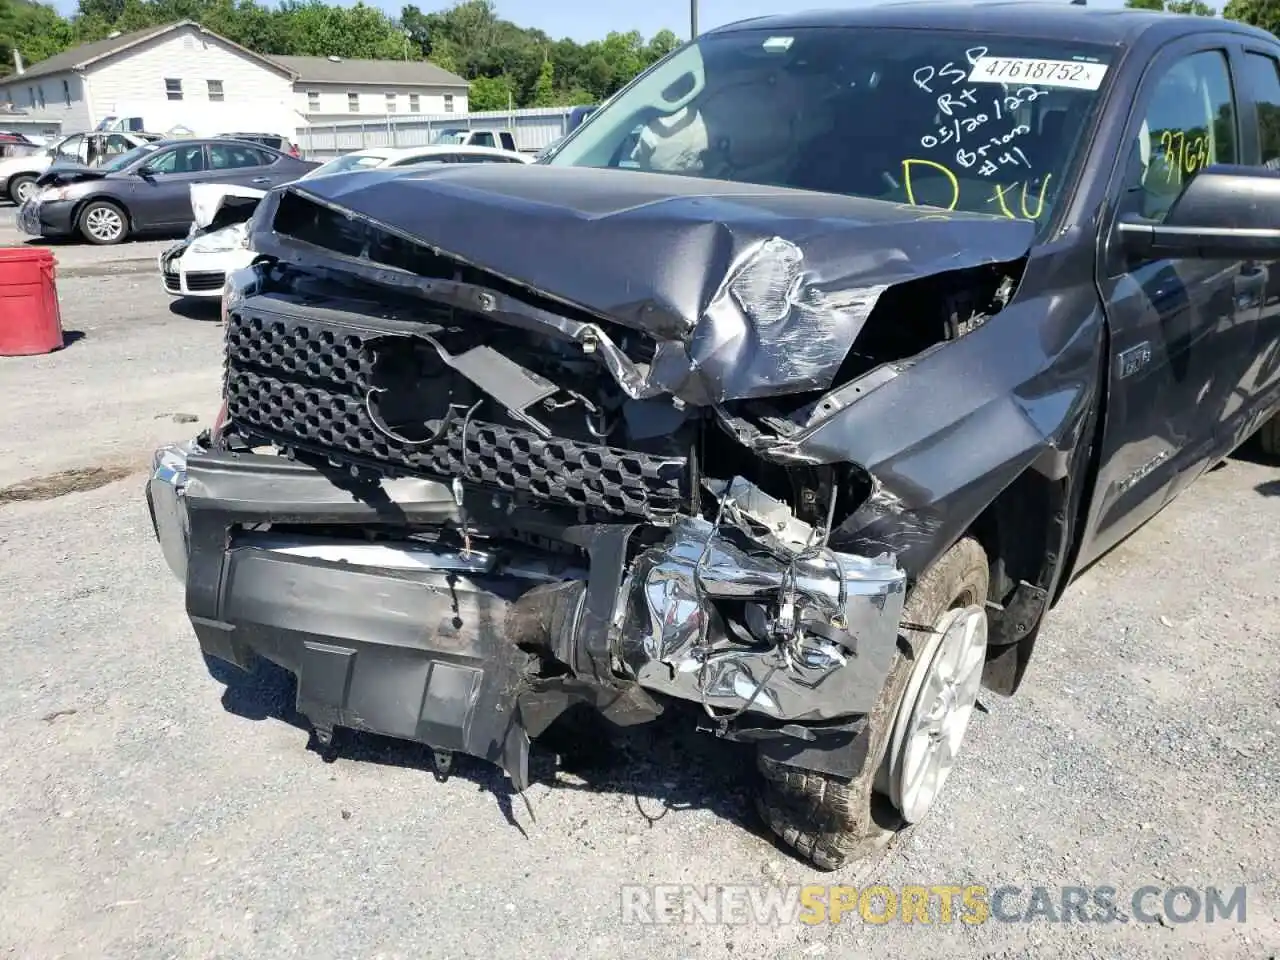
<point x="49" y="218"/>
<point x="424" y="641"/>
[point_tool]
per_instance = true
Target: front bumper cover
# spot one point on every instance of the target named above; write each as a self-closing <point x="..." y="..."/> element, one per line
<point x="427" y="643"/>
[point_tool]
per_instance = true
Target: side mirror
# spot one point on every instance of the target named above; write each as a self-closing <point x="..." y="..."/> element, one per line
<point x="1223" y="213"/>
<point x="145" y="172"/>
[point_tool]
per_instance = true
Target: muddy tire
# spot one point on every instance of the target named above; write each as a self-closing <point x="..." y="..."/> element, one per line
<point x="103" y="222"/>
<point x="21" y="187"/>
<point x="832" y="822"/>
<point x="1269" y="437"/>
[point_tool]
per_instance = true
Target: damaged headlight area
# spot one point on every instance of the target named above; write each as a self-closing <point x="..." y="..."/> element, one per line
<point x="716" y="616"/>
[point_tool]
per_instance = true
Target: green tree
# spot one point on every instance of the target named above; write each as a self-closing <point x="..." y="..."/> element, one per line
<point x="1197" y="7"/>
<point x="544" y="91"/>
<point x="489" y="93"/>
<point x="1259" y="13"/>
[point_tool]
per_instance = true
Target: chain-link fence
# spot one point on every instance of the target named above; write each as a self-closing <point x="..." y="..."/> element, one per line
<point x="534" y="129"/>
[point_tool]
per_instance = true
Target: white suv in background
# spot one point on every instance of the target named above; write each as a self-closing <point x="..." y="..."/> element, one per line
<point x="18" y="174"/>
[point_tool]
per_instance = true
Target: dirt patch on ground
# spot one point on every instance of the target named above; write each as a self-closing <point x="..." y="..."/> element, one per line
<point x="59" y="484"/>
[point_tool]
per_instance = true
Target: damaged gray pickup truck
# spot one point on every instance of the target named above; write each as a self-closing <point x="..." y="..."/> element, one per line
<point x="794" y="386"/>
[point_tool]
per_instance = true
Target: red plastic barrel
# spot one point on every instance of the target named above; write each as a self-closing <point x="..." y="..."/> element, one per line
<point x="30" y="321"/>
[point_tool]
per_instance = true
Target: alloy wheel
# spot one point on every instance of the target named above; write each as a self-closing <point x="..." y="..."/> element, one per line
<point x="104" y="223"/>
<point x="935" y="711"/>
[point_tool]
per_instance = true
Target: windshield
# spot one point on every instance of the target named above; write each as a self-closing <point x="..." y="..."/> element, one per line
<point x="129" y="157"/>
<point x="451" y="135"/>
<point x="955" y="120"/>
<point x="352" y="161"/>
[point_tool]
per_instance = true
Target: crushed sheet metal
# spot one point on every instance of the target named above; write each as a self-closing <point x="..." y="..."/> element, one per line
<point x="675" y="641"/>
<point x="759" y="291"/>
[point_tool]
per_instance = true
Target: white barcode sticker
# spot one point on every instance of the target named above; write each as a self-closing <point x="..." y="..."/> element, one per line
<point x="1042" y="73"/>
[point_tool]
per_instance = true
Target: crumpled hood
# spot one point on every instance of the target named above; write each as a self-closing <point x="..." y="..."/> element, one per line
<point x="64" y="173"/>
<point x="753" y="290"/>
<point x="235" y="202"/>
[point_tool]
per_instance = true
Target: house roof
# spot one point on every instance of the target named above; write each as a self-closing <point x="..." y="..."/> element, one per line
<point x="77" y="58"/>
<point x="400" y="73"/>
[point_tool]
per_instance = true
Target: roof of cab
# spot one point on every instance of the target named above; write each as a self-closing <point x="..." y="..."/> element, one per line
<point x="1031" y="18"/>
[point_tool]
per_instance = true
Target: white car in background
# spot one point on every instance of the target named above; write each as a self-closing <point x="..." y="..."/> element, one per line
<point x="218" y="243"/>
<point x="374" y="157"/>
<point x="18" y="174"/>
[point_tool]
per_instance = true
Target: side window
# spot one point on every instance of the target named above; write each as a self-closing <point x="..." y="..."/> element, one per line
<point x="71" y="148"/>
<point x="508" y="141"/>
<point x="483" y="140"/>
<point x="116" y="145"/>
<point x="228" y="156"/>
<point x="1190" y="123"/>
<point x="1262" y="79"/>
<point x="185" y="159"/>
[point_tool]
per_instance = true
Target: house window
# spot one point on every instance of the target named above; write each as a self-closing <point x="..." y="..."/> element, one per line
<point x="215" y="89"/>
<point x="173" y="88"/>
<point x="40" y="94"/>
<point x="353" y="102"/>
<point x="414" y="105"/>
<point x="391" y="103"/>
<point x="31" y="95"/>
<point x="66" y="92"/>
<point x="313" y="101"/>
<point x="448" y="103"/>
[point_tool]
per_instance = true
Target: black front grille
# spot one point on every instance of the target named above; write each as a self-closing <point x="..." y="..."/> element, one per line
<point x="302" y="382"/>
<point x="205" y="280"/>
<point x="172" y="283"/>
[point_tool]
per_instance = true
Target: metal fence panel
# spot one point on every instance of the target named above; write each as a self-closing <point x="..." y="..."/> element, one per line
<point x="534" y="129"/>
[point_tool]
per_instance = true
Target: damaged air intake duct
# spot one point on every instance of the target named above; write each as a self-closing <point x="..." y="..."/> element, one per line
<point x="749" y="613"/>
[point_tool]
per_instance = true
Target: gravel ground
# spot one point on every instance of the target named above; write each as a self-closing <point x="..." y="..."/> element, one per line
<point x="154" y="810"/>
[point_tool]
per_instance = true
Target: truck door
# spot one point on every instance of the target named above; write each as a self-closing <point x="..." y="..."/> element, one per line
<point x="1259" y="389"/>
<point x="1174" y="323"/>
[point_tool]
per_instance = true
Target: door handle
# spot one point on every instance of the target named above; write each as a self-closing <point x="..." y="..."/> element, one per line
<point x="260" y="180"/>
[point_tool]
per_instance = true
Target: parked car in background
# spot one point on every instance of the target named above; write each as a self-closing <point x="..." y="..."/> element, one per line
<point x="272" y="140"/>
<point x="578" y="115"/>
<point x="197" y="266"/>
<point x="147" y="190"/>
<point x="411" y="156"/>
<point x="487" y="137"/>
<point x="19" y="173"/>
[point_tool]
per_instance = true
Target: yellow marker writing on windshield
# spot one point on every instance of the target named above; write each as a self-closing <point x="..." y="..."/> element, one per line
<point x="951" y="178"/>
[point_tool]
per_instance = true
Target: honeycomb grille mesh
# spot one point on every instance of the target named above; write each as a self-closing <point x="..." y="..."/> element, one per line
<point x="302" y="383"/>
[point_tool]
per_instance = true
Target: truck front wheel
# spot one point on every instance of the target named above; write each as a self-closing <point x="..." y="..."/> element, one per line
<point x="915" y="729"/>
<point x="1269" y="436"/>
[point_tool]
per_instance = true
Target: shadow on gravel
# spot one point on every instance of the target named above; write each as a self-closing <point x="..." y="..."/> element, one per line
<point x="664" y="765"/>
<point x="1251" y="452"/>
<point x="54" y="485"/>
<point x="1269" y="489"/>
<point x="72" y="336"/>
<point x="192" y="308"/>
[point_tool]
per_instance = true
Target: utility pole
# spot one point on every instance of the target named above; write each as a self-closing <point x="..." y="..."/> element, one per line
<point x="693" y="19"/>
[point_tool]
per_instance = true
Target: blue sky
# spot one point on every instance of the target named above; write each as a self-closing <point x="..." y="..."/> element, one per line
<point x="592" y="19"/>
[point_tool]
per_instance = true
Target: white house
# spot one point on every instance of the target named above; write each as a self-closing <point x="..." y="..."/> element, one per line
<point x="182" y="76"/>
<point x="333" y="88"/>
